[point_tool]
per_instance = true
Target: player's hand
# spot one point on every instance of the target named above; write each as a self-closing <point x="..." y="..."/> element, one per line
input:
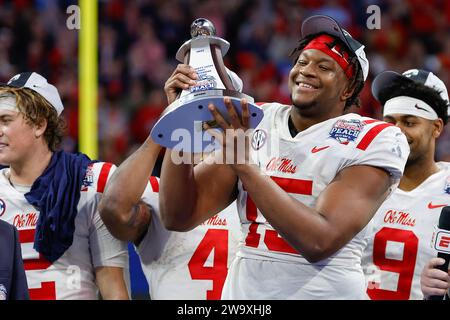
<point x="235" y="136"/>
<point x="182" y="78"/>
<point x="434" y="282"/>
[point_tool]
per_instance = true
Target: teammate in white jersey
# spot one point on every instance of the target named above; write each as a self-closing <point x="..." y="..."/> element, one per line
<point x="399" y="242"/>
<point x="177" y="265"/>
<point x="319" y="177"/>
<point x="51" y="197"/>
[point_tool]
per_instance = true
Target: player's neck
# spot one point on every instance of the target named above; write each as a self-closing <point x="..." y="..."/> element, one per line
<point x="25" y="172"/>
<point x="302" y="120"/>
<point x="416" y="173"/>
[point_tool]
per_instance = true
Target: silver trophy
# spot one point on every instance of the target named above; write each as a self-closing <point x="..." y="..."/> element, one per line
<point x="181" y="125"/>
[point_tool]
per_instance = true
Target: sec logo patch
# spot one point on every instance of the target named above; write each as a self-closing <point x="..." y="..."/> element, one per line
<point x="259" y="139"/>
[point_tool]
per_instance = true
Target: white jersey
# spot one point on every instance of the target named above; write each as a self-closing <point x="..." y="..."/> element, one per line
<point x="267" y="267"/>
<point x="399" y="241"/>
<point x="188" y="265"/>
<point x="72" y="276"/>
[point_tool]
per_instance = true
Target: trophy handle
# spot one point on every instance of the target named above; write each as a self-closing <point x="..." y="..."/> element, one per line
<point x="187" y="57"/>
<point x="220" y="67"/>
<point x="216" y="53"/>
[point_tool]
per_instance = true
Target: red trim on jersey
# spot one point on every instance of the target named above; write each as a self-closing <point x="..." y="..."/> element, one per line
<point x="259" y="104"/>
<point x="371" y="134"/>
<point x="297" y="186"/>
<point x="371" y="121"/>
<point x="154" y="183"/>
<point x="103" y="177"/>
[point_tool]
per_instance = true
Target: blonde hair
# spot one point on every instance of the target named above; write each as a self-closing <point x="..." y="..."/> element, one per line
<point x="36" y="109"/>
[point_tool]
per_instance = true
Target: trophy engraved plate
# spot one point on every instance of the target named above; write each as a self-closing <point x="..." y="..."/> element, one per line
<point x="180" y="126"/>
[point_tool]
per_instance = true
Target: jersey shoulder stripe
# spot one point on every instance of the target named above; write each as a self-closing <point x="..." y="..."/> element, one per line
<point x="371" y="134"/>
<point x="103" y="177"/>
<point x="154" y="183"/>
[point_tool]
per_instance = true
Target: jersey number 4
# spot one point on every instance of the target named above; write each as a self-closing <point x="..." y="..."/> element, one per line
<point x="404" y="267"/>
<point x="217" y="240"/>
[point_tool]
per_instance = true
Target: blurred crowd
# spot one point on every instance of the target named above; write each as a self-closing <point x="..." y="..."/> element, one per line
<point x="138" y="40"/>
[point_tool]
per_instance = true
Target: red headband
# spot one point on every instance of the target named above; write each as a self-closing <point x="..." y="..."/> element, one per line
<point x="338" y="53"/>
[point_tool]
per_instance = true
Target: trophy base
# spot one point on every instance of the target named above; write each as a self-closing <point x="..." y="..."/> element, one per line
<point x="180" y="127"/>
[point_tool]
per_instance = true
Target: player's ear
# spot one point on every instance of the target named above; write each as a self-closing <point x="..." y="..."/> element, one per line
<point x="438" y="126"/>
<point x="39" y="128"/>
<point x="348" y="91"/>
<point x="349" y="86"/>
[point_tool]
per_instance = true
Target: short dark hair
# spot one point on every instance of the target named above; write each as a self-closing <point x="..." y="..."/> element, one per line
<point x="35" y="109"/>
<point x="430" y="96"/>
<point x="357" y="79"/>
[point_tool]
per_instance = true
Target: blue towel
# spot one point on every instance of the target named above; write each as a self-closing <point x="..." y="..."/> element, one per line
<point x="56" y="194"/>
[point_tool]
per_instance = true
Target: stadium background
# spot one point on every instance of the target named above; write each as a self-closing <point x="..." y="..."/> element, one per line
<point x="138" y="40"/>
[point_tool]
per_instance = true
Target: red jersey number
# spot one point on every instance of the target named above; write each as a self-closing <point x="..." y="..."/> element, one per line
<point x="404" y="267"/>
<point x="217" y="240"/>
<point x="272" y="239"/>
<point x="47" y="291"/>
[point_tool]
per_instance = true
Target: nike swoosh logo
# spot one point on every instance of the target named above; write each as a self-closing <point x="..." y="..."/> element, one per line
<point x="315" y="149"/>
<point x="435" y="206"/>
<point x="420" y="108"/>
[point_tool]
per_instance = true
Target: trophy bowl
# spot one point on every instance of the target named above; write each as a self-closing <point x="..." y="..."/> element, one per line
<point x="181" y="125"/>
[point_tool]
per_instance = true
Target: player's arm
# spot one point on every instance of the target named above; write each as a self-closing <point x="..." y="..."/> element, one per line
<point x="110" y="281"/>
<point x="343" y="209"/>
<point x="109" y="258"/>
<point x="434" y="282"/>
<point x="187" y="196"/>
<point x="126" y="217"/>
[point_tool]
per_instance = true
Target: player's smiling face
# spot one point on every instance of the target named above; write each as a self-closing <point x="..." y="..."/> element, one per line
<point x="316" y="80"/>
<point x="420" y="133"/>
<point x="16" y="137"/>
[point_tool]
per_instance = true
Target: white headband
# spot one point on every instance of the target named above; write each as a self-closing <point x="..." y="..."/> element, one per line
<point x="8" y="102"/>
<point x="410" y="106"/>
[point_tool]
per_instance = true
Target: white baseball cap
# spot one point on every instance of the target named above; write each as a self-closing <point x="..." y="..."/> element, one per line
<point x="427" y="78"/>
<point x="39" y="84"/>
